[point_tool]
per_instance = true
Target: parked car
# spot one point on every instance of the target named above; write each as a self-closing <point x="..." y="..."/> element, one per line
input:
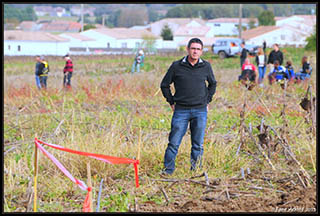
<point x="227" y="47"/>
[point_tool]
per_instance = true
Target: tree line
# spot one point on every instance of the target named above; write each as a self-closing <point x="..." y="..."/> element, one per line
<point x="127" y="15"/>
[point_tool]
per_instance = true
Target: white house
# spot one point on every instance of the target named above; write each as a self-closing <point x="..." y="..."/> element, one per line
<point x="283" y="36"/>
<point x="60" y="11"/>
<point x="120" y="38"/>
<point x="174" y="24"/>
<point x="43" y="10"/>
<point x="229" y="26"/>
<point x="76" y="10"/>
<point x="78" y="44"/>
<point x="189" y="32"/>
<point x="19" y="43"/>
<point x="304" y="23"/>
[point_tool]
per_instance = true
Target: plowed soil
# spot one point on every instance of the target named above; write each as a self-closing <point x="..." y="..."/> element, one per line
<point x="294" y="198"/>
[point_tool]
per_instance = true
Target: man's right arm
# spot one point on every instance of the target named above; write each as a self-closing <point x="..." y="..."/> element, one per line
<point x="165" y="85"/>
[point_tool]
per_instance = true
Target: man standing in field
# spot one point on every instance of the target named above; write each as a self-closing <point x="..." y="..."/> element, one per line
<point x="38" y="72"/>
<point x="190" y="103"/>
<point x="67" y="72"/>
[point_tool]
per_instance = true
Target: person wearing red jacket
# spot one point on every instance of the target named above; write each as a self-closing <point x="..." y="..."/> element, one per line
<point x="67" y="71"/>
<point x="248" y="72"/>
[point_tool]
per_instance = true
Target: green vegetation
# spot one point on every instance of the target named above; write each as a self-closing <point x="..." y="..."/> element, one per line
<point x="166" y="33"/>
<point x="12" y="13"/>
<point x="312" y="41"/>
<point x="266" y="18"/>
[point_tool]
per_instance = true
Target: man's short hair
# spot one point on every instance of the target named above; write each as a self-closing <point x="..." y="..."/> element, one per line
<point x="277" y="45"/>
<point x="195" y="40"/>
<point x="243" y="42"/>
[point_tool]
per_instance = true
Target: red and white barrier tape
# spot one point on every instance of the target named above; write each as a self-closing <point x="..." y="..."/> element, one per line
<point x="81" y="184"/>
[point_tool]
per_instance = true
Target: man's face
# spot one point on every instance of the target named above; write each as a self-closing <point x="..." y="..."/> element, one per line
<point x="195" y="51"/>
<point x="37" y="59"/>
<point x="275" y="47"/>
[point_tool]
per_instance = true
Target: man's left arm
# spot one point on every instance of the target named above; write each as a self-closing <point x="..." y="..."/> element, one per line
<point x="212" y="84"/>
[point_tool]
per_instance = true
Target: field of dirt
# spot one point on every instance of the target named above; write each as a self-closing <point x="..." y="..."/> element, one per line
<point x="290" y="196"/>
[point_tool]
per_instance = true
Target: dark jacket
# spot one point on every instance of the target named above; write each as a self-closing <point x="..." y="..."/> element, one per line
<point x="305" y="67"/>
<point x="243" y="56"/>
<point x="265" y="60"/>
<point x="275" y="56"/>
<point x="264" y="46"/>
<point x="190" y="86"/>
<point x="38" y="68"/>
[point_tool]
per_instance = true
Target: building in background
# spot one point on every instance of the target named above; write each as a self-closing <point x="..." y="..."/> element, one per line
<point x="60" y="26"/>
<point x="22" y="43"/>
<point x="183" y="33"/>
<point x="44" y="10"/>
<point x="174" y="24"/>
<point x="229" y="26"/>
<point x="282" y="35"/>
<point x="119" y="38"/>
<point x="78" y="44"/>
<point x="76" y="11"/>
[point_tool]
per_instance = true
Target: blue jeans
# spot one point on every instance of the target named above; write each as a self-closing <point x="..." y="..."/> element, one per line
<point x="262" y="71"/>
<point x="67" y="79"/>
<point x="302" y="76"/>
<point x="179" y="123"/>
<point x="38" y="82"/>
<point x="134" y="65"/>
<point x="43" y="81"/>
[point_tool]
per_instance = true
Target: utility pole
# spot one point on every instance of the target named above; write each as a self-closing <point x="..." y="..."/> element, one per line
<point x="240" y="21"/>
<point x="81" y="17"/>
<point x="103" y="19"/>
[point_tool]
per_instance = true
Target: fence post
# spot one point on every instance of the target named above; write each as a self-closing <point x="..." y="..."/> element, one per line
<point x="89" y="185"/>
<point x="35" y="173"/>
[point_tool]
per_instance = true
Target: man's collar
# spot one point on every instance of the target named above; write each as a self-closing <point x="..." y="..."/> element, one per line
<point x="184" y="60"/>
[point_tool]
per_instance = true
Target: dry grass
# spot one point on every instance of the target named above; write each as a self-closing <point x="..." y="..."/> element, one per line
<point x="104" y="113"/>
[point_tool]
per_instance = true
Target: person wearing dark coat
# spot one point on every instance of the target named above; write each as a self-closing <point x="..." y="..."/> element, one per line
<point x="275" y="55"/>
<point x="244" y="54"/>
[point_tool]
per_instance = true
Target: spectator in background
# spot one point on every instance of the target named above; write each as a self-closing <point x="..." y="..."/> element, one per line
<point x="279" y="73"/>
<point x="275" y="55"/>
<point x="244" y="54"/>
<point x="67" y="72"/>
<point x="138" y="61"/>
<point x="264" y="46"/>
<point x="305" y="71"/>
<point x="38" y="72"/>
<point x="261" y="60"/>
<point x="44" y="70"/>
<point x="248" y="73"/>
<point x="290" y="71"/>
